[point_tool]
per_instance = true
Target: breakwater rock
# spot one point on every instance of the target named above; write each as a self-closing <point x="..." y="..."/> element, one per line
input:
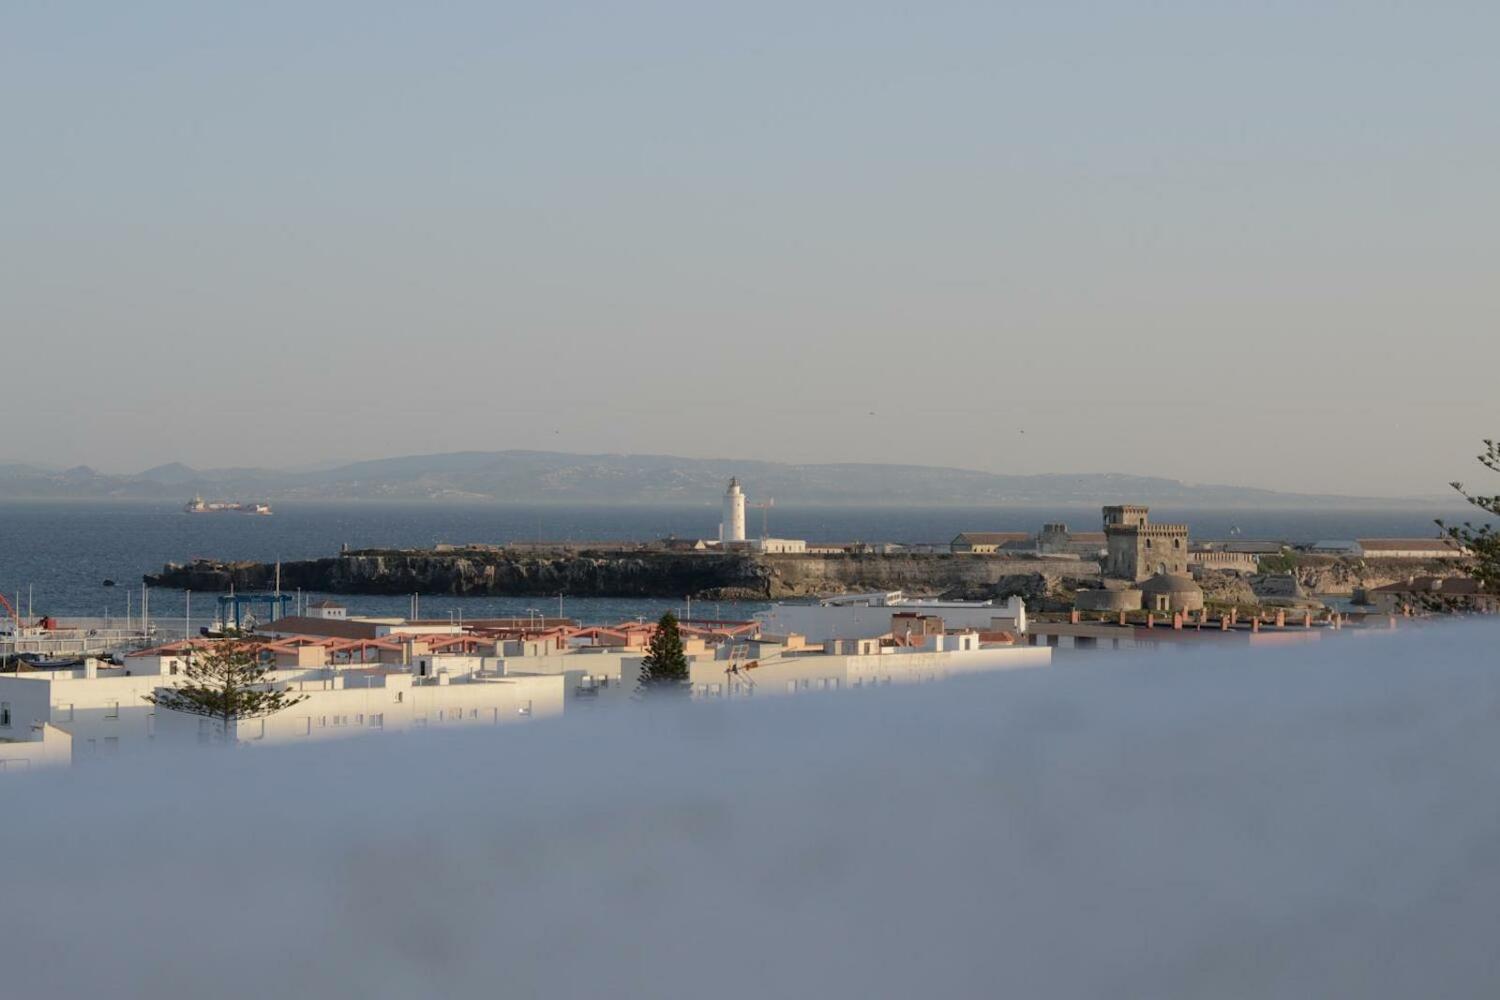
<point x="639" y="573"/>
<point x="1345" y="577"/>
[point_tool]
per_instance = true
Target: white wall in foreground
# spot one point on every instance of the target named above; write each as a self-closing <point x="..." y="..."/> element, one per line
<point x="1308" y="822"/>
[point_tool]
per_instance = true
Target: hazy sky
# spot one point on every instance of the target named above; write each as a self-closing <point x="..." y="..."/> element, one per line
<point x="1233" y="242"/>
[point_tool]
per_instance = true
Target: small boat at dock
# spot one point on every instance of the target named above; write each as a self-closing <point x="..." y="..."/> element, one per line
<point x="36" y="661"/>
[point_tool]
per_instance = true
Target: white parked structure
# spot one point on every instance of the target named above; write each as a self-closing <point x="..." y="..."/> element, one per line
<point x="732" y="527"/>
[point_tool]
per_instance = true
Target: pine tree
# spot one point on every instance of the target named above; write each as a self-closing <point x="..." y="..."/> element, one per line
<point x="1481" y="541"/>
<point x="225" y="682"/>
<point x="664" y="671"/>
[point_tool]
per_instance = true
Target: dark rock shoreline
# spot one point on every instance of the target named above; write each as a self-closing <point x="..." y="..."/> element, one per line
<point x="644" y="573"/>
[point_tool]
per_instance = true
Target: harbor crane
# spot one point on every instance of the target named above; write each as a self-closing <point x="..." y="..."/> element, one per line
<point x="765" y="514"/>
<point x="232" y="613"/>
<point x="18" y="627"/>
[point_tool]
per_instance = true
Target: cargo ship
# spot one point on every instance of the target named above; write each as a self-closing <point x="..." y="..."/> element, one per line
<point x="200" y="506"/>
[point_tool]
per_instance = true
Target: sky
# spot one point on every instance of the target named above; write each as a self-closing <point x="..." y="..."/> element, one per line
<point x="1224" y="242"/>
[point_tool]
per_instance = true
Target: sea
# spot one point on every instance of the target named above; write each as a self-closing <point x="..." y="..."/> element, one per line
<point x="55" y="556"/>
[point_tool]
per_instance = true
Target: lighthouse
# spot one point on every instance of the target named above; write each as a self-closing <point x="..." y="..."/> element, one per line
<point x="732" y="528"/>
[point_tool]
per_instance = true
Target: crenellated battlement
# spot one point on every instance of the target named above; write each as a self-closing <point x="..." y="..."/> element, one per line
<point x="1139" y="549"/>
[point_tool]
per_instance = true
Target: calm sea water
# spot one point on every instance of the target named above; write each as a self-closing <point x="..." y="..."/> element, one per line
<point x="61" y="552"/>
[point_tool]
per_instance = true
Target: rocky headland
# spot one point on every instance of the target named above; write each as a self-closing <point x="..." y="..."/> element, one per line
<point x="1046" y="583"/>
<point x="644" y="573"/>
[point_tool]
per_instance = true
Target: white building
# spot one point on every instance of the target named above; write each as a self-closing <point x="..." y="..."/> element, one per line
<point x="40" y="746"/>
<point x="778" y="546"/>
<point x="732" y="527"/>
<point x="380" y="699"/>
<point x="102" y="709"/>
<point x="787" y="669"/>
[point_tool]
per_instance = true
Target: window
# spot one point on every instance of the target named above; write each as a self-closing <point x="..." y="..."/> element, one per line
<point x="377" y="720"/>
<point x="473" y="713"/>
<point x="525" y="708"/>
<point x="112" y="710"/>
<point x="322" y="721"/>
<point x="173" y="667"/>
<point x="64" y="712"/>
<point x="791" y="687"/>
<point x="4" y="715"/>
<point x="359" y="720"/>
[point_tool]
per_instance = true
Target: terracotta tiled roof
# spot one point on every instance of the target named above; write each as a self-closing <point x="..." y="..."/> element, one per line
<point x="334" y="627"/>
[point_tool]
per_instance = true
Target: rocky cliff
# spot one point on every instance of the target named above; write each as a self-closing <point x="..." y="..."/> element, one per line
<point x="1343" y="577"/>
<point x="640" y="574"/>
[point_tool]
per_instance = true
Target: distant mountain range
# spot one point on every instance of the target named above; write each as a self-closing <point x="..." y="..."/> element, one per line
<point x="552" y="477"/>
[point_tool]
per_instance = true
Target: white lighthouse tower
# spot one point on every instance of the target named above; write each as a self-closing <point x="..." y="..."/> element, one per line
<point x="732" y="528"/>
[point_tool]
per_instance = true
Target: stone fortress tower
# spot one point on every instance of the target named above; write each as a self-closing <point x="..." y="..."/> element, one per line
<point x="1139" y="549"/>
<point x="732" y="527"/>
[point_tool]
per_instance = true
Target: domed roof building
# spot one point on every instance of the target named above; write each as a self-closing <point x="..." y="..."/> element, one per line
<point x="1172" y="592"/>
